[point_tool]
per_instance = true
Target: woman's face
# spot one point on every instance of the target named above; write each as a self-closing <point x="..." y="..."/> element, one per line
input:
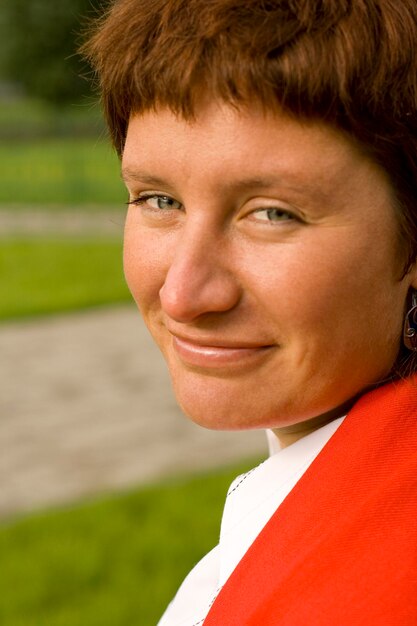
<point x="263" y="255"/>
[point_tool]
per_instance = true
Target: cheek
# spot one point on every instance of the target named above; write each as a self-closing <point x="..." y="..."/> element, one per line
<point x="332" y="285"/>
<point x="143" y="267"/>
<point x="300" y="277"/>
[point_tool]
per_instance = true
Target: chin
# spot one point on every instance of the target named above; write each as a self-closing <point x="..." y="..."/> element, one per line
<point x="227" y="405"/>
<point x="214" y="414"/>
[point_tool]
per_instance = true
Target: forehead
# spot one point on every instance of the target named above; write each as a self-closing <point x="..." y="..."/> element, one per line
<point x="240" y="147"/>
<point x="218" y="125"/>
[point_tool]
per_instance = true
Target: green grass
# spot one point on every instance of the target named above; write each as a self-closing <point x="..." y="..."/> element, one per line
<point x="26" y="118"/>
<point x="39" y="171"/>
<point x="41" y="276"/>
<point x="60" y="172"/>
<point x="56" y="157"/>
<point x="114" y="562"/>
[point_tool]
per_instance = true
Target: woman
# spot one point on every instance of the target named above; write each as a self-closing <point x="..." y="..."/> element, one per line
<point x="269" y="150"/>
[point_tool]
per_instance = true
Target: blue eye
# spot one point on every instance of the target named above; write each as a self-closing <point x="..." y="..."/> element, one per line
<point x="273" y="215"/>
<point x="158" y="202"/>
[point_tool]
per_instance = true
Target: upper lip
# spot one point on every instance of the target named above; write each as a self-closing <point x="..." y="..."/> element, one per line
<point x="215" y="342"/>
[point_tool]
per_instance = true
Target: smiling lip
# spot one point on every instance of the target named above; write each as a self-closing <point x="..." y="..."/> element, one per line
<point x="216" y="355"/>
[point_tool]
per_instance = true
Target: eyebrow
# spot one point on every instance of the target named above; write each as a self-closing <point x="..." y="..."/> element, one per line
<point x="140" y="176"/>
<point x="301" y="187"/>
<point x="128" y="174"/>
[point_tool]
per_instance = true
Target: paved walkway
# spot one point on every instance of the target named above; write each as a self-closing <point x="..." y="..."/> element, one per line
<point x="61" y="221"/>
<point x="86" y="407"/>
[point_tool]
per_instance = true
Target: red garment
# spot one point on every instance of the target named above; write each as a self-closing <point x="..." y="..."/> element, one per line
<point x="341" y="550"/>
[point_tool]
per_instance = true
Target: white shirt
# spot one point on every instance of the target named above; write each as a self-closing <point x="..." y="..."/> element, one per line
<point x="251" y="501"/>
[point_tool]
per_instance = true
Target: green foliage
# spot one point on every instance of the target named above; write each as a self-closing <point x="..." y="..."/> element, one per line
<point x="60" y="172"/>
<point x="40" y="276"/>
<point x="38" y="46"/>
<point x="117" y="561"/>
<point x="26" y="119"/>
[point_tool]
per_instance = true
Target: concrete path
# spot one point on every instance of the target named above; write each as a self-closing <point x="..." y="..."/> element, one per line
<point x="86" y="407"/>
<point x="78" y="221"/>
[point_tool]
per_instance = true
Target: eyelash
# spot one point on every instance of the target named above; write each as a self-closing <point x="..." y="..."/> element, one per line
<point x="141" y="200"/>
<point x="279" y="210"/>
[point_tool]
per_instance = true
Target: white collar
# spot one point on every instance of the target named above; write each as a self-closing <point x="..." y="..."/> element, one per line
<point x="254" y="497"/>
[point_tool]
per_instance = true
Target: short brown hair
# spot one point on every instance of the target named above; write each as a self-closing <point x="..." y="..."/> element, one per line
<point x="350" y="63"/>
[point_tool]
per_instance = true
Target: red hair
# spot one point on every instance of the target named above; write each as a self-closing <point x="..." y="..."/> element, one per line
<point x="350" y="63"/>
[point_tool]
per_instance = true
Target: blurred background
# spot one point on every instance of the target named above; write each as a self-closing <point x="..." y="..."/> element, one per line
<point x="108" y="495"/>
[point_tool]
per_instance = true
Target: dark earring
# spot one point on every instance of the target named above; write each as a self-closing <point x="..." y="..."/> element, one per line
<point x="410" y="325"/>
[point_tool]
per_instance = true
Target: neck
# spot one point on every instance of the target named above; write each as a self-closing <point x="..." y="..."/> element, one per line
<point x="291" y="433"/>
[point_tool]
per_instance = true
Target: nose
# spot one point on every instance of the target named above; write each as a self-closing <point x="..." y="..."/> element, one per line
<point x="200" y="279"/>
